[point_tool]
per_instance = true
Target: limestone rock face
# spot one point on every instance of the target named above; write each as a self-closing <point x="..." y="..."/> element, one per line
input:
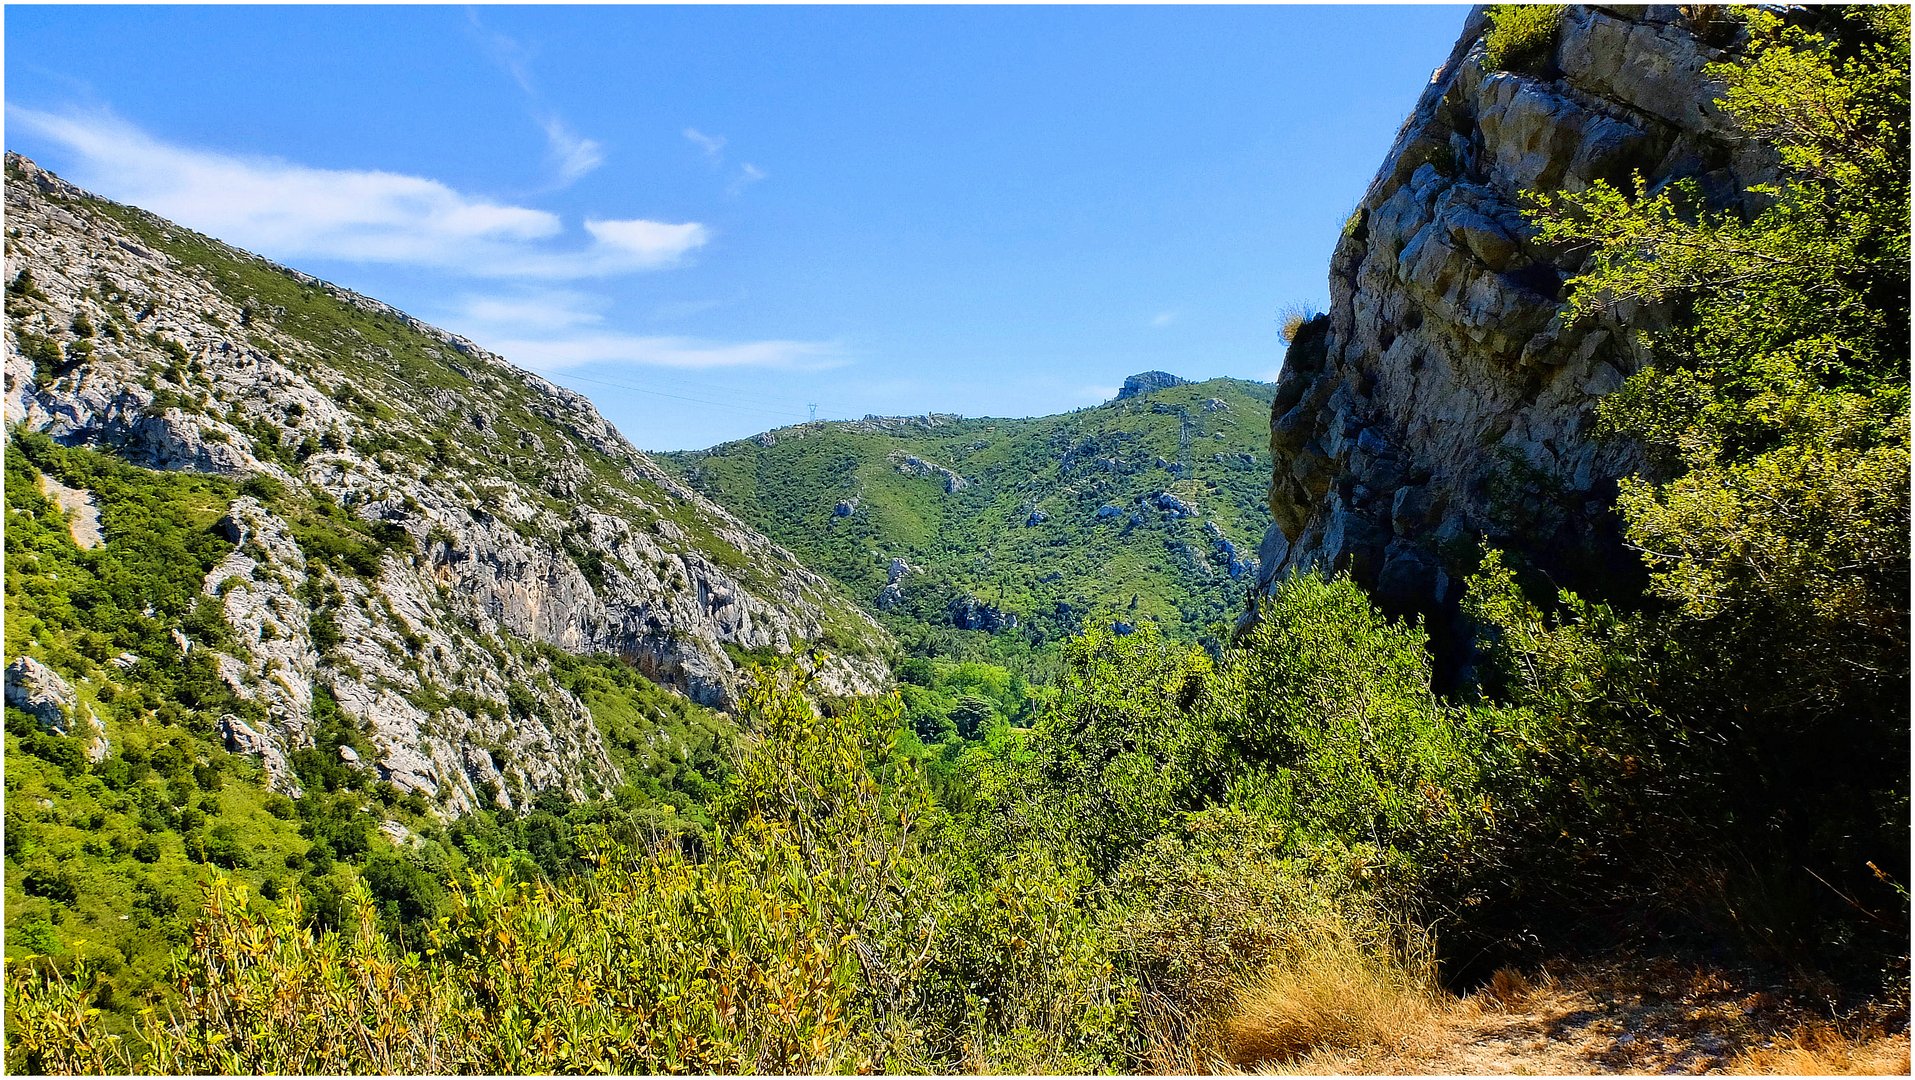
<point x="510" y="516"/>
<point x="1442" y="398"/>
<point x="912" y="465"/>
<point x="1146" y="381"/>
<point x="40" y="692"/>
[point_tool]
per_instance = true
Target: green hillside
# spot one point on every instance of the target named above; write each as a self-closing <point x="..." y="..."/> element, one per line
<point x="1015" y="533"/>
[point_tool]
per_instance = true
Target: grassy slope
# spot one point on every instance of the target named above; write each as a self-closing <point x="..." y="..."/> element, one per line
<point x="104" y="861"/>
<point x="1055" y="574"/>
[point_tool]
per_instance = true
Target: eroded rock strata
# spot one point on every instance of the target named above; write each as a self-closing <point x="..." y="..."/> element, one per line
<point x="514" y="516"/>
<point x="1442" y="398"/>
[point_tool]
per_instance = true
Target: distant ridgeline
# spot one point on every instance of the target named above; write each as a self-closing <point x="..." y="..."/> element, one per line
<point x="994" y="538"/>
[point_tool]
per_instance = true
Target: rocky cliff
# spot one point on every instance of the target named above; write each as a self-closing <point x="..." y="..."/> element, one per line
<point x="507" y="515"/>
<point x="1442" y="398"/>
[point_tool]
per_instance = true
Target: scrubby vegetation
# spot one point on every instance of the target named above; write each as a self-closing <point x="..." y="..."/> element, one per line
<point x="104" y="860"/>
<point x="1521" y="36"/>
<point x="1174" y="856"/>
<point x="1767" y="679"/>
<point x="1025" y="553"/>
<point x="839" y="918"/>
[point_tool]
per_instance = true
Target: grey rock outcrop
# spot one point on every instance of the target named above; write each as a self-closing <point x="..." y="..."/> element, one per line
<point x="40" y="692"/>
<point x="970" y="613"/>
<point x="1169" y="504"/>
<point x="1145" y="382"/>
<point x="1442" y="398"/>
<point x="499" y="514"/>
<point x="912" y="465"/>
<point x="241" y="738"/>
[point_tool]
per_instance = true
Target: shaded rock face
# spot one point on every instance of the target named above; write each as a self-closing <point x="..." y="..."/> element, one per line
<point x="41" y="693"/>
<point x="1147" y="381"/>
<point x="1442" y="399"/>
<point x="516" y="518"/>
<point x="970" y="613"/>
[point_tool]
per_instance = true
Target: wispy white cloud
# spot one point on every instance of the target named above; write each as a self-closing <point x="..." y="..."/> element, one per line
<point x="572" y="154"/>
<point x="559" y="353"/>
<point x="552" y="330"/>
<point x="293" y="211"/>
<point x="712" y="145"/>
<point x="1163" y="319"/>
<point x="528" y="311"/>
<point x="683" y="309"/>
<point x="651" y="243"/>
<point x="511" y="57"/>
<point x="747" y="176"/>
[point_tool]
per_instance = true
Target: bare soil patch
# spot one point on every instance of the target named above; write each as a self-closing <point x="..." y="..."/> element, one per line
<point x="82" y="511"/>
<point x="1639" y="1017"/>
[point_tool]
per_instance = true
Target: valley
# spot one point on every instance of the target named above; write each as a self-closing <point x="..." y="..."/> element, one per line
<point x="1518" y="684"/>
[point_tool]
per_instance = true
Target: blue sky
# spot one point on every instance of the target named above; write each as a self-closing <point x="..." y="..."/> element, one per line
<point x="707" y="218"/>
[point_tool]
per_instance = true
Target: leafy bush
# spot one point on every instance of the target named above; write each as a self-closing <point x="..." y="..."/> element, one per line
<point x="1761" y="701"/>
<point x="1521" y="37"/>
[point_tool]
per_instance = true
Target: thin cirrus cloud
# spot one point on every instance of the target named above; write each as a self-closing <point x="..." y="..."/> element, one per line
<point x="561" y="353"/>
<point x="572" y="154"/>
<point x="531" y="311"/>
<point x="289" y="210"/>
<point x="748" y="175"/>
<point x="712" y="145"/>
<point x="556" y="330"/>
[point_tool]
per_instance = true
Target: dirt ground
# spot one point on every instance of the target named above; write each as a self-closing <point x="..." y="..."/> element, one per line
<point x="1658" y="1018"/>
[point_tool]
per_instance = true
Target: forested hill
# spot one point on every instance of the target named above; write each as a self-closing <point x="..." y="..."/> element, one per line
<point x="992" y="537"/>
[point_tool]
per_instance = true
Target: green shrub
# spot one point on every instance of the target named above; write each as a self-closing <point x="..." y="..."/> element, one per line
<point x="1521" y="37"/>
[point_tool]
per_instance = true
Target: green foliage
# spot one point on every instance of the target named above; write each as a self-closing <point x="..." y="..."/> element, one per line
<point x="816" y="935"/>
<point x="1339" y="700"/>
<point x="1521" y="37"/>
<point x="1022" y="535"/>
<point x="674" y="755"/>
<point x="1762" y="700"/>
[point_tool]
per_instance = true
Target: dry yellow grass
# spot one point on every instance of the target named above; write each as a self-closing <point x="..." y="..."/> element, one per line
<point x="1823" y="1050"/>
<point x="1335" y="994"/>
<point x="1291" y="319"/>
<point x="1629" y="1017"/>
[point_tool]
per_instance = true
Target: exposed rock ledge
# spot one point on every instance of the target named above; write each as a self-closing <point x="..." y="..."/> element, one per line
<point x="1442" y="399"/>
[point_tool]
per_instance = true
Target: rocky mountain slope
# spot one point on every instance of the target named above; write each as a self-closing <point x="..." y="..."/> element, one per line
<point x="412" y="523"/>
<point x="1442" y="399"/>
<point x="1018" y="530"/>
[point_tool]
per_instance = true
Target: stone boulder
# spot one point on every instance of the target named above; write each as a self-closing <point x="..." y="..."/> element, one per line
<point x="241" y="738"/>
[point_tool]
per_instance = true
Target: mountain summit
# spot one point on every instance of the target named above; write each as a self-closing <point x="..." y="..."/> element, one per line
<point x="1145" y="382"/>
